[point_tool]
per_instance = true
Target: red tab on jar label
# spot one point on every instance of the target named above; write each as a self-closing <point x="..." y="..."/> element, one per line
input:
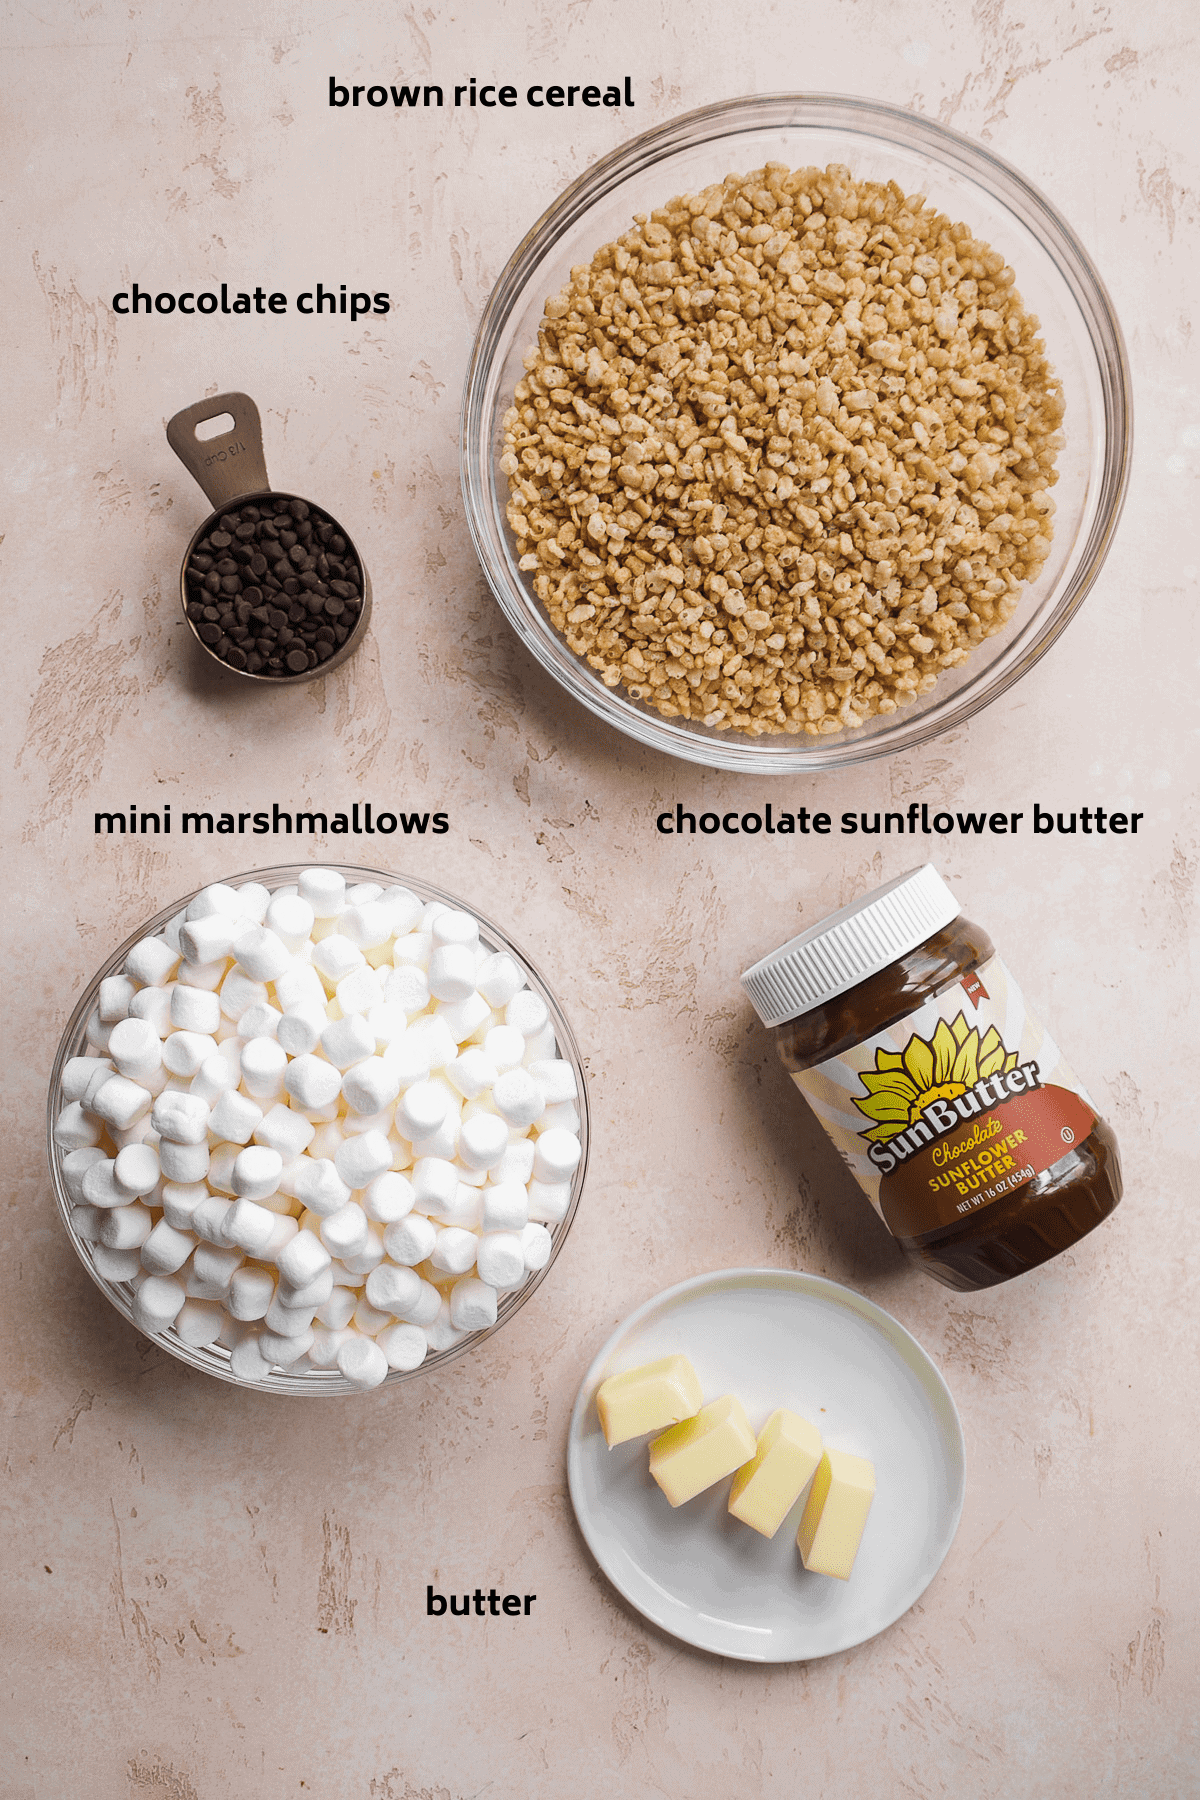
<point x="984" y="1160"/>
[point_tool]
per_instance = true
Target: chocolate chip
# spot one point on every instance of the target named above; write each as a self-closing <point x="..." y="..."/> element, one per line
<point x="334" y="607"/>
<point x="258" y="564"/>
<point x="236" y="658"/>
<point x="298" y="509"/>
<point x="245" y="531"/>
<point x="297" y="660"/>
<point x="200" y="561"/>
<point x="254" y="663"/>
<point x="324" y="649"/>
<point x="220" y="540"/>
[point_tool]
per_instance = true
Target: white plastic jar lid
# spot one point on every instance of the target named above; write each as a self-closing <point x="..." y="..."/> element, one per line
<point x="850" y="945"/>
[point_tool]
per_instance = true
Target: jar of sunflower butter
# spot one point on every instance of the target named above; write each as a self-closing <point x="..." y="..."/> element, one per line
<point x="948" y="1099"/>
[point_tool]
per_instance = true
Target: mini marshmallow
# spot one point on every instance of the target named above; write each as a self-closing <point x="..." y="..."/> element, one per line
<point x="151" y="962"/>
<point x="126" y="1227"/>
<point x="452" y="972"/>
<point x="303" y="1259"/>
<point x="443" y="1334"/>
<point x="370" y="1085"/>
<point x="180" y="1200"/>
<point x="98" y="1033"/>
<point x="463" y="1018"/>
<point x="504" y="1207"/>
<point x="463" y="1207"/>
<point x="250" y="1226"/>
<point x="499" y="979"/>
<point x="435" y="1037"/>
<point x="116" y="991"/>
<point x="387" y="1024"/>
<point x="405" y="909"/>
<point x="79" y="1072"/>
<point x="260" y="1020"/>
<point x="291" y="919"/>
<point x="360" y="1159"/>
<point x="505" y="1046"/>
<point x="185" y="1052"/>
<point x="408" y="1059"/>
<point x="247" y="1361"/>
<point x="359" y="991"/>
<point x="405" y="1346"/>
<point x="369" y="1320"/>
<point x="210" y="939"/>
<point x="281" y="1352"/>
<point x="556" y="1156"/>
<point x="541" y="1047"/>
<point x="286" y="1131"/>
<point x="388" y="1198"/>
<point x="183" y="1118"/>
<point x="119" y="1102"/>
<point x="344" y="1233"/>
<point x="411" y="1240"/>
<point x="393" y="1289"/>
<point x="166" y="1249"/>
<point x="116" y="1265"/>
<point x="183" y="1162"/>
<point x="560" y="1118"/>
<point x="140" y="1132"/>
<point x="215" y="1265"/>
<point x="264" y="1063"/>
<point x="261" y="955"/>
<point x="536" y="1244"/>
<point x="472" y="1073"/>
<point x="323" y="1351"/>
<point x="518" y="1098"/>
<point x="500" y="1259"/>
<point x="256" y="1172"/>
<point x="318" y="1186"/>
<point x="362" y="1362"/>
<point x="412" y="951"/>
<point x="198" y="1323"/>
<point x="154" y="1005"/>
<point x="549" y="1201"/>
<point x="482" y="1141"/>
<point x="312" y="1295"/>
<point x="218" y="899"/>
<point x="367" y="925"/>
<point x="207" y="975"/>
<point x="235" y="1118"/>
<point x="158" y="1303"/>
<point x="286" y="1229"/>
<point x="421" y="1109"/>
<point x="192" y="1009"/>
<point x="472" y="1304"/>
<point x="74" y="1129"/>
<point x="220" y="1167"/>
<point x="556" y="1078"/>
<point x="455" y="1250"/>
<point x="213" y="1078"/>
<point x="312" y="1082"/>
<point x="288" y="1321"/>
<point x="253" y="900"/>
<point x="528" y="1012"/>
<point x="452" y="927"/>
<point x="407" y="988"/>
<point x="348" y="1041"/>
<point x="99" y="1186"/>
<point x="434" y="1183"/>
<point x="300" y="985"/>
<point x="239" y="993"/>
<point x="335" y="957"/>
<point x="75" y="1166"/>
<point x="327" y="1138"/>
<point x="424" y="1309"/>
<point x="299" y="1030"/>
<point x="325" y="891"/>
<point x="136" y="1170"/>
<point x="338" y="1310"/>
<point x="208" y="1218"/>
<point x="356" y="1267"/>
<point x="136" y="1049"/>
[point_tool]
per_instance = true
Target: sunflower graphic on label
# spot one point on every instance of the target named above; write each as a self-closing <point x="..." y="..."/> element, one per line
<point x="953" y="1107"/>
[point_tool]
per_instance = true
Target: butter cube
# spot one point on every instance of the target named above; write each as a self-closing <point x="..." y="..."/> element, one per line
<point x="765" y="1490"/>
<point x="835" y="1512"/>
<point x="690" y="1457"/>
<point x="641" y="1400"/>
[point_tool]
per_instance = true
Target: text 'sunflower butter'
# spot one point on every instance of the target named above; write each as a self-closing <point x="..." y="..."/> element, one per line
<point x="948" y="1099"/>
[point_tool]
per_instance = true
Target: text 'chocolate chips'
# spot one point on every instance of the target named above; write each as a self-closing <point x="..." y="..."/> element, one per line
<point x="270" y="613"/>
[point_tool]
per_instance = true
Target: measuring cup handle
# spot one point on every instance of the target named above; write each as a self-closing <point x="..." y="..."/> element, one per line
<point x="230" y="464"/>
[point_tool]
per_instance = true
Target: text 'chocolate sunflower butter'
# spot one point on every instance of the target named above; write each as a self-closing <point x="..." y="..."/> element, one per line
<point x="948" y="1099"/>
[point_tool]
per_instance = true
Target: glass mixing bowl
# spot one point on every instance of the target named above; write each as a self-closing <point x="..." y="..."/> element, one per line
<point x="1054" y="276"/>
<point x="214" y="1359"/>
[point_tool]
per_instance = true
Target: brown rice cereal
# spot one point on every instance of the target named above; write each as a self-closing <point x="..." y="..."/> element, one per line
<point x="782" y="452"/>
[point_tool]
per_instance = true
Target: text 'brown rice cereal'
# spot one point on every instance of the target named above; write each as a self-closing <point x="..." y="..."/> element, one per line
<point x="783" y="452"/>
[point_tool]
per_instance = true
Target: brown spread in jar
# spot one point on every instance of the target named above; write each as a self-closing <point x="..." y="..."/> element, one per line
<point x="949" y="1101"/>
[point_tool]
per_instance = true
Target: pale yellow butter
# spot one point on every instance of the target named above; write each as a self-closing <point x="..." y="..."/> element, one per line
<point x="835" y="1512"/>
<point x="765" y="1489"/>
<point x="690" y="1457"/>
<point x="641" y="1400"/>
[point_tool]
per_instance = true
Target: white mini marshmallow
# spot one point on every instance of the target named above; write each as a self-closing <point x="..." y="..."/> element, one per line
<point x="136" y="1170"/>
<point x="213" y="1078"/>
<point x="285" y="1130"/>
<point x="208" y="1219"/>
<point x="303" y="1259"/>
<point x="116" y="1265"/>
<point x="251" y="1291"/>
<point x="75" y="1166"/>
<point x="299" y="986"/>
<point x="140" y="1132"/>
<point x="250" y="1227"/>
<point x="348" y="1041"/>
<point x="412" y="951"/>
<point x="556" y="1078"/>
<point x="185" y="1052"/>
<point x="79" y="1072"/>
<point x="327" y="1138"/>
<point x="452" y="972"/>
<point x="261" y="954"/>
<point x="435" y="1037"/>
<point x="505" y="1046"/>
<point x="126" y="1227"/>
<point x="472" y="1073"/>
<point x="367" y="925"/>
<point x="116" y="991"/>
<point x="299" y="1030"/>
<point x="154" y="1005"/>
<point x="183" y="1162"/>
<point x="338" y="1310"/>
<point x="560" y="1118"/>
<point x="408" y="1059"/>
<point x="166" y="1249"/>
<point x="434" y="1184"/>
<point x="504" y="1207"/>
<point x="288" y="1321"/>
<point x="500" y="1259"/>
<point x="151" y="962"/>
<point x="463" y="1207"/>
<point x="410" y="1240"/>
<point x="393" y="1289"/>
<point x="405" y="909"/>
<point x="388" y="1198"/>
<point x="556" y="1155"/>
<point x="549" y="1201"/>
<point x="74" y="1129"/>
<point x="498" y="979"/>
<point x="387" y="1025"/>
<point x="281" y="1352"/>
<point x="286" y="1229"/>
<point x="291" y="919"/>
<point x="453" y="927"/>
<point x="345" y="1232"/>
<point x="463" y="1018"/>
<point x="256" y="1172"/>
<point x="518" y="1098"/>
<point x="183" y="1118"/>
<point x="193" y="1009"/>
<point x="260" y="1020"/>
<point x="455" y="1250"/>
<point x="99" y="1186"/>
<point x="360" y="1159"/>
<point x="323" y="1351"/>
<point x="158" y="1303"/>
<point x="180" y="1200"/>
<point x="218" y="899"/>
<point x="318" y="1186"/>
<point x="359" y="991"/>
<point x="404" y="1346"/>
<point x="407" y="988"/>
<point x="214" y="1265"/>
<point x="482" y="1141"/>
<point x="528" y="1012"/>
<point x="335" y="957"/>
<point x="208" y="976"/>
<point x="210" y="939"/>
<point x="198" y="1323"/>
<point x="370" y="1085"/>
<point x="235" y="1118"/>
<point x="443" y="1141"/>
<point x="239" y="993"/>
<point x="362" y="1362"/>
<point x="472" y="1304"/>
<point x="119" y="1102"/>
<point x="443" y="1334"/>
<point x="312" y="1082"/>
<point x="247" y="1361"/>
<point x="421" y="1109"/>
<point x="253" y="900"/>
<point x="313" y="1295"/>
<point x="220" y="1167"/>
<point x="264" y="1063"/>
<point x="536" y="1244"/>
<point x="325" y="891"/>
<point x="541" y="1047"/>
<point x="369" y="1320"/>
<point x="98" y="1033"/>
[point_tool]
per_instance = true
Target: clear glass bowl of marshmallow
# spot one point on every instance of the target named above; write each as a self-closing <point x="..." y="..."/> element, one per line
<point x="483" y="1127"/>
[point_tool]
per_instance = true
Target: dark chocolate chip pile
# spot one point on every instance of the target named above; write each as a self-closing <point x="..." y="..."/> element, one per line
<point x="274" y="588"/>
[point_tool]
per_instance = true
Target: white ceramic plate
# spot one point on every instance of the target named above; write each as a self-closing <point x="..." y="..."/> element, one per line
<point x="774" y="1337"/>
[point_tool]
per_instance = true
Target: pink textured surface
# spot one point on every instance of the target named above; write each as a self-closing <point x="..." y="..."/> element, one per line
<point x="214" y="1595"/>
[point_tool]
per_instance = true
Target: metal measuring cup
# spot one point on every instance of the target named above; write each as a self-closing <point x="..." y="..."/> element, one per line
<point x="232" y="471"/>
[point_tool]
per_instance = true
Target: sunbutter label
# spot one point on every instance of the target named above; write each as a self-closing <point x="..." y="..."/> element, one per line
<point x="953" y="1107"/>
